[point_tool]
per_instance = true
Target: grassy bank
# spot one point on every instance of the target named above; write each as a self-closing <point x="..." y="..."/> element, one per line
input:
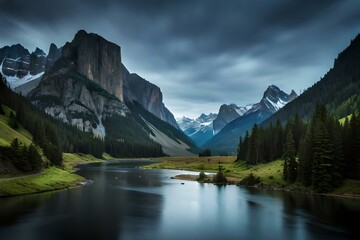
<point x="270" y="174"/>
<point x="50" y="179"/>
<point x="70" y="160"/>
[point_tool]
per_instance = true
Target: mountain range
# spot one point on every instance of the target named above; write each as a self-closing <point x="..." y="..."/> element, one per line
<point x="272" y="100"/>
<point x="221" y="131"/>
<point x="85" y="84"/>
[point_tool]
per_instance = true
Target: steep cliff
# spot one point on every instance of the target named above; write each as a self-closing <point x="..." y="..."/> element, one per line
<point x="97" y="59"/>
<point x="148" y="95"/>
<point x="71" y="97"/>
<point x="53" y="55"/>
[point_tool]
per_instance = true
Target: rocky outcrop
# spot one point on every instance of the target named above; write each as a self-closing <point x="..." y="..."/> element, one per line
<point x="37" y="62"/>
<point x="228" y="113"/>
<point x="68" y="96"/>
<point x="53" y="55"/>
<point x="148" y="95"/>
<point x="15" y="60"/>
<point x="97" y="59"/>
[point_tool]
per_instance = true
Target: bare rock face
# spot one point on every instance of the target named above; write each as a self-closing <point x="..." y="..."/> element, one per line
<point x="65" y="95"/>
<point x="97" y="59"/>
<point x="53" y="55"/>
<point x="148" y="95"/>
<point x="18" y="62"/>
<point x="37" y="61"/>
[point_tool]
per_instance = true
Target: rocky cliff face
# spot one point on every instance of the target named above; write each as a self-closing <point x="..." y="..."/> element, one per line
<point x="97" y="59"/>
<point x="135" y="88"/>
<point x="53" y="55"/>
<point x="18" y="62"/>
<point x="68" y="96"/>
<point x="228" y="113"/>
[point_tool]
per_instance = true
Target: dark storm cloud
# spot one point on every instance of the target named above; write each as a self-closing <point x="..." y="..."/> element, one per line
<point x="201" y="53"/>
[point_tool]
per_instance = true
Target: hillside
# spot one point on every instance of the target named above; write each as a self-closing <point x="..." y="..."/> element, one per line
<point x="7" y="134"/>
<point x="338" y="89"/>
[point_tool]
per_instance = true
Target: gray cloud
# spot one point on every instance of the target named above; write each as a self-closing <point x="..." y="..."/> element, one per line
<point x="200" y="53"/>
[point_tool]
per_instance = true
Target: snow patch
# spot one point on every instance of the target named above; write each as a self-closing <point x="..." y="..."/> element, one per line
<point x="15" y="81"/>
<point x="99" y="131"/>
<point x="279" y="104"/>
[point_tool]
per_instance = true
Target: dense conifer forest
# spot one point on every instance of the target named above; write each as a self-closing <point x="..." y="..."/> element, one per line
<point x="319" y="153"/>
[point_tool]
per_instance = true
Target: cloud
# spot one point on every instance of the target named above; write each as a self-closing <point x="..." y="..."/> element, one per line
<point x="200" y="53"/>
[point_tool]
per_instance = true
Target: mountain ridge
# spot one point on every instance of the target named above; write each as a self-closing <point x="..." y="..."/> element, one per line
<point x="273" y="99"/>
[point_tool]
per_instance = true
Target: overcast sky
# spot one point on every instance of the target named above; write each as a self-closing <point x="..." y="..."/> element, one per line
<point x="200" y="53"/>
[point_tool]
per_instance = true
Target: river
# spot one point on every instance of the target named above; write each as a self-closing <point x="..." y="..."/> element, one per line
<point x="126" y="202"/>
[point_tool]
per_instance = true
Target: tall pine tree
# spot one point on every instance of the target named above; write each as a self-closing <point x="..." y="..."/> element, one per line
<point x="290" y="164"/>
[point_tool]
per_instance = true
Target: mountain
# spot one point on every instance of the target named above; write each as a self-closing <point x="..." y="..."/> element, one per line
<point x="149" y="96"/>
<point x="86" y="85"/>
<point x="226" y="140"/>
<point x="200" y="130"/>
<point x="19" y="66"/>
<point x="96" y="58"/>
<point x="228" y="113"/>
<point x="338" y="90"/>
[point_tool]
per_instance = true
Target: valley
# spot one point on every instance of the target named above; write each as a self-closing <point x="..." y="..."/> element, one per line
<point x="179" y="119"/>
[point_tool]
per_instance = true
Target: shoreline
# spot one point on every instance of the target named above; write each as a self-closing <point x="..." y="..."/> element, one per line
<point x="50" y="179"/>
<point x="262" y="186"/>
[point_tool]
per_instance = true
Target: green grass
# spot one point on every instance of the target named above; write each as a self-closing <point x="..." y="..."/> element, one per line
<point x="7" y="134"/>
<point x="269" y="173"/>
<point x="349" y="186"/>
<point x="70" y="160"/>
<point x="107" y="156"/>
<point x="51" y="179"/>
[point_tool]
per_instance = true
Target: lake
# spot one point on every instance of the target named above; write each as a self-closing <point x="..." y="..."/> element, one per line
<point x="126" y="202"/>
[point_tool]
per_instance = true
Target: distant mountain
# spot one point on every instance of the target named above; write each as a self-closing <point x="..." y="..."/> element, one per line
<point x="19" y="66"/>
<point x="338" y="90"/>
<point x="85" y="84"/>
<point x="273" y="99"/>
<point x="200" y="130"/>
<point x="228" y="113"/>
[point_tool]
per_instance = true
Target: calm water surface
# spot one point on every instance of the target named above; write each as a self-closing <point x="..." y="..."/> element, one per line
<point x="126" y="202"/>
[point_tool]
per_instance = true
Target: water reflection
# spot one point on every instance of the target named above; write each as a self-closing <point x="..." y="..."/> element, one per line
<point x="126" y="202"/>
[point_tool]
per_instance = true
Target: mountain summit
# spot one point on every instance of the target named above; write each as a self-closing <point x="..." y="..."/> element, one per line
<point x="273" y="99"/>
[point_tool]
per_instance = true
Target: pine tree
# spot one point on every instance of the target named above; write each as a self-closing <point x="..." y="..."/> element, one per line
<point x="240" y="148"/>
<point x="322" y="169"/>
<point x="290" y="164"/>
<point x="34" y="158"/>
<point x="12" y="121"/>
<point x="254" y="153"/>
<point x="306" y="157"/>
<point x="1" y="110"/>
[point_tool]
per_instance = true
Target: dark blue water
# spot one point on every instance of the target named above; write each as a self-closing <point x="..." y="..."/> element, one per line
<point x="126" y="202"/>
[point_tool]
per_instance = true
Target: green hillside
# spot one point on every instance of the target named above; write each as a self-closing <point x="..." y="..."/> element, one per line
<point x="7" y="134"/>
<point x="338" y="90"/>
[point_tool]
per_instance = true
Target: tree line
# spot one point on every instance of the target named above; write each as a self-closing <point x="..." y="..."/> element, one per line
<point x="319" y="153"/>
<point x="25" y="158"/>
